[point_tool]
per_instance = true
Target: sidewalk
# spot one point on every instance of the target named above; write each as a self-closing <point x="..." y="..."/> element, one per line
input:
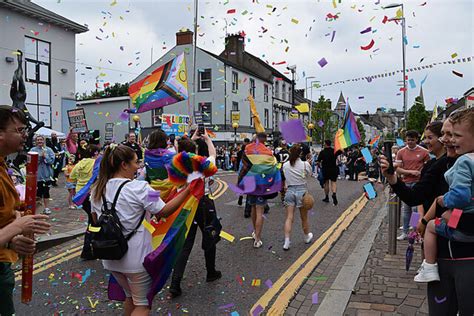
<point x="358" y="277"/>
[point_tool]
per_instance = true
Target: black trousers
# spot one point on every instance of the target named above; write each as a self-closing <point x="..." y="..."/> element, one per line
<point x="455" y="291"/>
<point x="208" y="246"/>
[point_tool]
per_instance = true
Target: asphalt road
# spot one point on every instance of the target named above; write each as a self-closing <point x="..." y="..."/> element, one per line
<point x="68" y="286"/>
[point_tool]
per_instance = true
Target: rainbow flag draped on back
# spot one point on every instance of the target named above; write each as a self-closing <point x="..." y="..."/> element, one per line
<point x="166" y="85"/>
<point x="156" y="162"/>
<point x="259" y="167"/>
<point x="348" y="135"/>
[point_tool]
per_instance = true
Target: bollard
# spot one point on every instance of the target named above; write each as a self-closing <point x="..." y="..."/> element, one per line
<point x="393" y="212"/>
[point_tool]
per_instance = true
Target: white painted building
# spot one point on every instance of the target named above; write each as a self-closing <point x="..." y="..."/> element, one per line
<point x="48" y="43"/>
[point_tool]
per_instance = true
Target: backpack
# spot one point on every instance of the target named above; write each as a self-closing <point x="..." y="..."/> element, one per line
<point x="108" y="241"/>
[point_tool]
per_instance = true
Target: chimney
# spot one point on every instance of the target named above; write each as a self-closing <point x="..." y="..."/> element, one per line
<point x="234" y="48"/>
<point x="184" y="37"/>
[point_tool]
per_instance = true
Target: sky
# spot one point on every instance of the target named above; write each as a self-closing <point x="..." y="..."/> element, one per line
<point x="122" y="35"/>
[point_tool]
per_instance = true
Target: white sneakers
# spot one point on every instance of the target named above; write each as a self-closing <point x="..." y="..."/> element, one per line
<point x="402" y="236"/>
<point x="308" y="238"/>
<point x="257" y="244"/>
<point x="428" y="272"/>
<point x="286" y="245"/>
<point x="47" y="211"/>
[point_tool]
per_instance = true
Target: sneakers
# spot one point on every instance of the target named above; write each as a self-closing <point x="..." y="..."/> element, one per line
<point x="239" y="202"/>
<point x="326" y="199"/>
<point x="428" y="272"/>
<point x="216" y="275"/>
<point x="47" y="211"/>
<point x="257" y="244"/>
<point x="308" y="238"/>
<point x="402" y="236"/>
<point x="334" y="199"/>
<point x="286" y="245"/>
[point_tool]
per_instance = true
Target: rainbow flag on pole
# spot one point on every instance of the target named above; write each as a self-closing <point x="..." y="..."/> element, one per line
<point x="375" y="141"/>
<point x="348" y="135"/>
<point x="166" y="85"/>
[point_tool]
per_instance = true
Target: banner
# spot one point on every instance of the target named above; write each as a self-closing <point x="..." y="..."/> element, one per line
<point x="174" y="123"/>
<point x="77" y="120"/>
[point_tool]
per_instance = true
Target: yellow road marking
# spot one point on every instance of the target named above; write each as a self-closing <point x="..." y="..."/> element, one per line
<point x="222" y="190"/>
<point x="273" y="291"/>
<point x="283" y="299"/>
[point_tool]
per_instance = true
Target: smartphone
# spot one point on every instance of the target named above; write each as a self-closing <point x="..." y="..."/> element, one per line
<point x="172" y="138"/>
<point x="200" y="123"/>
<point x="387" y="148"/>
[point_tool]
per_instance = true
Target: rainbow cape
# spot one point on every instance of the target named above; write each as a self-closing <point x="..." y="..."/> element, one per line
<point x="83" y="193"/>
<point x="156" y="162"/>
<point x="259" y="171"/>
<point x="348" y="135"/>
<point x="164" y="86"/>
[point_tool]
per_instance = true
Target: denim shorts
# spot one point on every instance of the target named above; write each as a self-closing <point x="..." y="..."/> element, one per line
<point x="257" y="200"/>
<point x="442" y="229"/>
<point x="70" y="185"/>
<point x="135" y="285"/>
<point x="294" y="195"/>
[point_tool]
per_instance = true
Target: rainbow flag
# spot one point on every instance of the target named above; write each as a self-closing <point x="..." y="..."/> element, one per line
<point x="156" y="162"/>
<point x="164" y="86"/>
<point x="375" y="141"/>
<point x="348" y="135"/>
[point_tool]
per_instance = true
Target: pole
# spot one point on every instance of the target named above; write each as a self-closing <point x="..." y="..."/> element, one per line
<point x="235" y="137"/>
<point x="311" y="104"/>
<point x="393" y="203"/>
<point x="30" y="200"/>
<point x="405" y="92"/>
<point x="194" y="55"/>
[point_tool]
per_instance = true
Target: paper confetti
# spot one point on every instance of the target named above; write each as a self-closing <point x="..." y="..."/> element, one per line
<point x="400" y="143"/>
<point x="314" y="298"/>
<point x="295" y="21"/>
<point x="269" y="283"/>
<point x="256" y="282"/>
<point x="367" y="30"/>
<point x="231" y="11"/>
<point x="458" y="74"/>
<point x="227" y="236"/>
<point x="371" y="44"/>
<point x="367" y="155"/>
<point x="322" y="62"/>
<point x="412" y="83"/>
<point x="414" y="219"/>
<point x="293" y="131"/>
<point x="257" y="311"/>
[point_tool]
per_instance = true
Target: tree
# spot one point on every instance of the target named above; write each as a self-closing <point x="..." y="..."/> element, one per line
<point x="361" y="129"/>
<point x="322" y="117"/>
<point x="116" y="90"/>
<point x="418" y="117"/>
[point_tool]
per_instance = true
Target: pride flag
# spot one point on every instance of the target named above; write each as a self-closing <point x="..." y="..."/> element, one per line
<point x="375" y="141"/>
<point x="166" y="85"/>
<point x="348" y="135"/>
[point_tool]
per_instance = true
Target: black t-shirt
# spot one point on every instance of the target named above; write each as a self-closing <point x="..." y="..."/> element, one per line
<point x="135" y="148"/>
<point x="283" y="155"/>
<point x="328" y="159"/>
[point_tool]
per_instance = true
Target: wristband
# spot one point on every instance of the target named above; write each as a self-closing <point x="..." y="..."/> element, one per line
<point x="423" y="221"/>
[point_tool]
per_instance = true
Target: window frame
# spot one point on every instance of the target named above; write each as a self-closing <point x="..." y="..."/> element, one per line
<point x="233" y="107"/>
<point x="283" y="91"/>
<point x="235" y="81"/>
<point x="156" y="117"/>
<point x="252" y="87"/>
<point x="265" y="92"/>
<point x="200" y="80"/>
<point x="266" y="116"/>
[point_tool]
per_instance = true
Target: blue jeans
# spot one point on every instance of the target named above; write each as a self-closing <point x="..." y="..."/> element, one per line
<point x="407" y="211"/>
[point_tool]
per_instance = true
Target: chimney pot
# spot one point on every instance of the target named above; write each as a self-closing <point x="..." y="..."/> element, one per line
<point x="184" y="37"/>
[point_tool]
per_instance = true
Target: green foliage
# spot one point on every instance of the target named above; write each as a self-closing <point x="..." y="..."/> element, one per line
<point x="116" y="90"/>
<point x="321" y="112"/>
<point x="361" y="129"/>
<point x="418" y="117"/>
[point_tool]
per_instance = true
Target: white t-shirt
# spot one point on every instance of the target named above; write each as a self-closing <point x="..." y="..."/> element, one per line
<point x="295" y="175"/>
<point x="132" y="202"/>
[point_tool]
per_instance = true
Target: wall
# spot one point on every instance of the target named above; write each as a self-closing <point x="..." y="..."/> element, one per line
<point x="13" y="28"/>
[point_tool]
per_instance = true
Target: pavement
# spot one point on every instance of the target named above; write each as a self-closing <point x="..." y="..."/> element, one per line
<point x="64" y="284"/>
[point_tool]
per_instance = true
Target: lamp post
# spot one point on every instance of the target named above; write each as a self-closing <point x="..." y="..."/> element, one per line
<point x="311" y="102"/>
<point x="311" y="127"/>
<point x="136" y="119"/>
<point x="306" y="86"/>
<point x="405" y="92"/>
<point x="235" y="126"/>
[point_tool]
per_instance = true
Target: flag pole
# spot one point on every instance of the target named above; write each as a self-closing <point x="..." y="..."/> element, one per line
<point x="194" y="57"/>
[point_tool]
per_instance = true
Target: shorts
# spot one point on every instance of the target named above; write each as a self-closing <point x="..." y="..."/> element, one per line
<point x="442" y="229"/>
<point x="330" y="174"/>
<point x="7" y="283"/>
<point x="294" y="195"/>
<point x="256" y="200"/>
<point x="70" y="185"/>
<point x="43" y="189"/>
<point x="135" y="285"/>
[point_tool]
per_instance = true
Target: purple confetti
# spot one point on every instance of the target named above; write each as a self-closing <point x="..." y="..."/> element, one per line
<point x="257" y="310"/>
<point x="361" y="97"/>
<point x="320" y="123"/>
<point x="333" y="34"/>
<point x="414" y="219"/>
<point x="124" y="116"/>
<point x="153" y="196"/>
<point x="315" y="298"/>
<point x="367" y="30"/>
<point x="293" y="131"/>
<point x="440" y="300"/>
<point x="322" y="62"/>
<point x="227" y="306"/>
<point x="269" y="283"/>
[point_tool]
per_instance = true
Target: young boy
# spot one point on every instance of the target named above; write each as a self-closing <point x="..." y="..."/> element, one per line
<point x="460" y="196"/>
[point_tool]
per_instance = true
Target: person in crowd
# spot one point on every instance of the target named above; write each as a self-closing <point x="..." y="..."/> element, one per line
<point x="341" y="161"/>
<point x="455" y="259"/>
<point x="71" y="142"/>
<point x="282" y="155"/>
<point x="45" y="171"/>
<point x="410" y="160"/>
<point x="296" y="171"/>
<point x="70" y="183"/>
<point x="132" y="143"/>
<point x="13" y="137"/>
<point x="327" y="161"/>
<point x="373" y="167"/>
<point x="119" y="165"/>
<point x="227" y="158"/>
<point x="353" y="156"/>
<point x="55" y="146"/>
<point x="81" y="150"/>
<point x="125" y="139"/>
<point x="206" y="210"/>
<point x="460" y="196"/>
<point x="240" y="154"/>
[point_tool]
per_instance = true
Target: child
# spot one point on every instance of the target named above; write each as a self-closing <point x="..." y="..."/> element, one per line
<point x="70" y="184"/>
<point x="459" y="196"/>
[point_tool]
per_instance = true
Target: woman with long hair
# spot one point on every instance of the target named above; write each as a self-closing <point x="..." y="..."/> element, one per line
<point x="136" y="199"/>
<point x="296" y="171"/>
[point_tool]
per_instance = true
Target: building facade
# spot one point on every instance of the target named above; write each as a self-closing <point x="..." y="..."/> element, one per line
<point x="47" y="41"/>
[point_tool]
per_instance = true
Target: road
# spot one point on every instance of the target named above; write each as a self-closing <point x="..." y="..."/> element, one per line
<point x="64" y="284"/>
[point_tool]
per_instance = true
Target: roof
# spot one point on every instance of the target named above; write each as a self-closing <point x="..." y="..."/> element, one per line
<point x="102" y="100"/>
<point x="341" y="104"/>
<point x="275" y="72"/>
<point x="451" y="107"/>
<point x="371" y="119"/>
<point x="28" y="8"/>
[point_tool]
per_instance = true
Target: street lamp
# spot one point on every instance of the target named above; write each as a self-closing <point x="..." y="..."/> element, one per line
<point x="306" y="86"/>
<point x="405" y="92"/>
<point x="235" y="126"/>
<point x="136" y="119"/>
<point x="311" y="127"/>
<point x="311" y="102"/>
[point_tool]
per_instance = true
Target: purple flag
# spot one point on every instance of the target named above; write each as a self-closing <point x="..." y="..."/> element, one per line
<point x="293" y="131"/>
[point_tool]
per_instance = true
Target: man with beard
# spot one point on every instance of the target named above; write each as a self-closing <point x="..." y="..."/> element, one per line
<point x="55" y="146"/>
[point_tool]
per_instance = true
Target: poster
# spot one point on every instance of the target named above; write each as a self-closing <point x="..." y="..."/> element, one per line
<point x="235" y="116"/>
<point x="77" y="120"/>
<point x="109" y="132"/>
<point x="174" y="123"/>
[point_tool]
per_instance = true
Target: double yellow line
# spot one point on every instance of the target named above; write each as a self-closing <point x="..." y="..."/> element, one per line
<point x="221" y="188"/>
<point x="306" y="263"/>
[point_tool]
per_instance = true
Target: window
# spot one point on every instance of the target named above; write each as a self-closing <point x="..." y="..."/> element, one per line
<point x="205" y="80"/>
<point x="265" y="93"/>
<point x="235" y="81"/>
<point x="283" y="91"/>
<point x="276" y="119"/>
<point x="252" y="87"/>
<point x="277" y="90"/>
<point x="283" y="116"/>
<point x="266" y="118"/>
<point x="235" y="106"/>
<point x="206" y="109"/>
<point x="156" y="117"/>
<point x="38" y="79"/>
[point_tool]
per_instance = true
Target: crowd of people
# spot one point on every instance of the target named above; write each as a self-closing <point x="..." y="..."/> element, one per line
<point x="430" y="178"/>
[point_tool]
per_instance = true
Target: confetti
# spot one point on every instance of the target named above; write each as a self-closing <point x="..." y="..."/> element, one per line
<point x="231" y="11"/>
<point x="269" y="283"/>
<point x="314" y="298"/>
<point x="322" y="62"/>
<point x="367" y="30"/>
<point x="458" y="74"/>
<point x="256" y="282"/>
<point x="257" y="311"/>
<point x="227" y="236"/>
<point x="440" y="300"/>
<point x="293" y="20"/>
<point x="369" y="46"/>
